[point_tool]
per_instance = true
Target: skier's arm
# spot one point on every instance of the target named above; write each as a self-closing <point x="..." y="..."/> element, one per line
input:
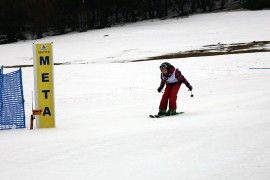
<point x="182" y="79"/>
<point x="162" y="84"/>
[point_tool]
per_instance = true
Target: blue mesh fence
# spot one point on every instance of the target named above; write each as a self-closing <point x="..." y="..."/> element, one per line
<point x="12" y="113"/>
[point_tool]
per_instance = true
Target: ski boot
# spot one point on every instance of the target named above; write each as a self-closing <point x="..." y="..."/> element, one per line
<point x="162" y="112"/>
<point x="171" y="112"/>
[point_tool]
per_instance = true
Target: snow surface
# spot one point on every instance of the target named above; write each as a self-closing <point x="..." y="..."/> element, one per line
<point x="102" y="126"/>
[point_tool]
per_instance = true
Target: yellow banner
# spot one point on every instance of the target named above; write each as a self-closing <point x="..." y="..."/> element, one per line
<point x="44" y="82"/>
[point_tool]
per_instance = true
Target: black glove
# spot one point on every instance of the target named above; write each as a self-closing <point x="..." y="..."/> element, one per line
<point x="159" y="89"/>
<point x="189" y="87"/>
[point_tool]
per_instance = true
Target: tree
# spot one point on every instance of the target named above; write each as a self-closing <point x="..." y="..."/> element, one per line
<point x="12" y="18"/>
<point x="257" y="4"/>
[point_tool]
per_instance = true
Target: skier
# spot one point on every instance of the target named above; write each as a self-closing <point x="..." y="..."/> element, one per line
<point x="173" y="79"/>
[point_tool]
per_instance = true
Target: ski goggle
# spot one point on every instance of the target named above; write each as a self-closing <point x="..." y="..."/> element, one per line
<point x="163" y="66"/>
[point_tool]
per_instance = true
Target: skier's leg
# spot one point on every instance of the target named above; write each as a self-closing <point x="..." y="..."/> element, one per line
<point x="173" y="96"/>
<point x="165" y="97"/>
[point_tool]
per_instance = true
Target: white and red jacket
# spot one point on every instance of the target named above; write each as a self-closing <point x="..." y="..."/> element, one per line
<point x="175" y="76"/>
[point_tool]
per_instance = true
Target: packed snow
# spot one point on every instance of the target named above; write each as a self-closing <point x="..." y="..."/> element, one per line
<point x="102" y="105"/>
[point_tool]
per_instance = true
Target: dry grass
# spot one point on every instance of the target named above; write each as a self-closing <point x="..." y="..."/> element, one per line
<point x="217" y="49"/>
<point x="209" y="50"/>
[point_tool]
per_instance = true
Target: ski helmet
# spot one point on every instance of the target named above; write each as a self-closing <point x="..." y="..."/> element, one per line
<point x="165" y="65"/>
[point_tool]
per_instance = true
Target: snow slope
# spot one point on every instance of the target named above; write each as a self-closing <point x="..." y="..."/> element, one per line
<point x="102" y="126"/>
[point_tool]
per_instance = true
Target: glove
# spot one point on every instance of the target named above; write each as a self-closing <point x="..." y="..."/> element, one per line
<point x="189" y="87"/>
<point x="159" y="89"/>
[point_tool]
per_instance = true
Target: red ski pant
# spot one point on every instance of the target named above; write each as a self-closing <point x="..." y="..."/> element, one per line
<point x="170" y="95"/>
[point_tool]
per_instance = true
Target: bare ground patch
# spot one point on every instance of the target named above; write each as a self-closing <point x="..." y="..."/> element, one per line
<point x="217" y="49"/>
<point x="208" y="50"/>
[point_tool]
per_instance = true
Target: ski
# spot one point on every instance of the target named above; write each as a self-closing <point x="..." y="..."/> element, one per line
<point x="158" y="116"/>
